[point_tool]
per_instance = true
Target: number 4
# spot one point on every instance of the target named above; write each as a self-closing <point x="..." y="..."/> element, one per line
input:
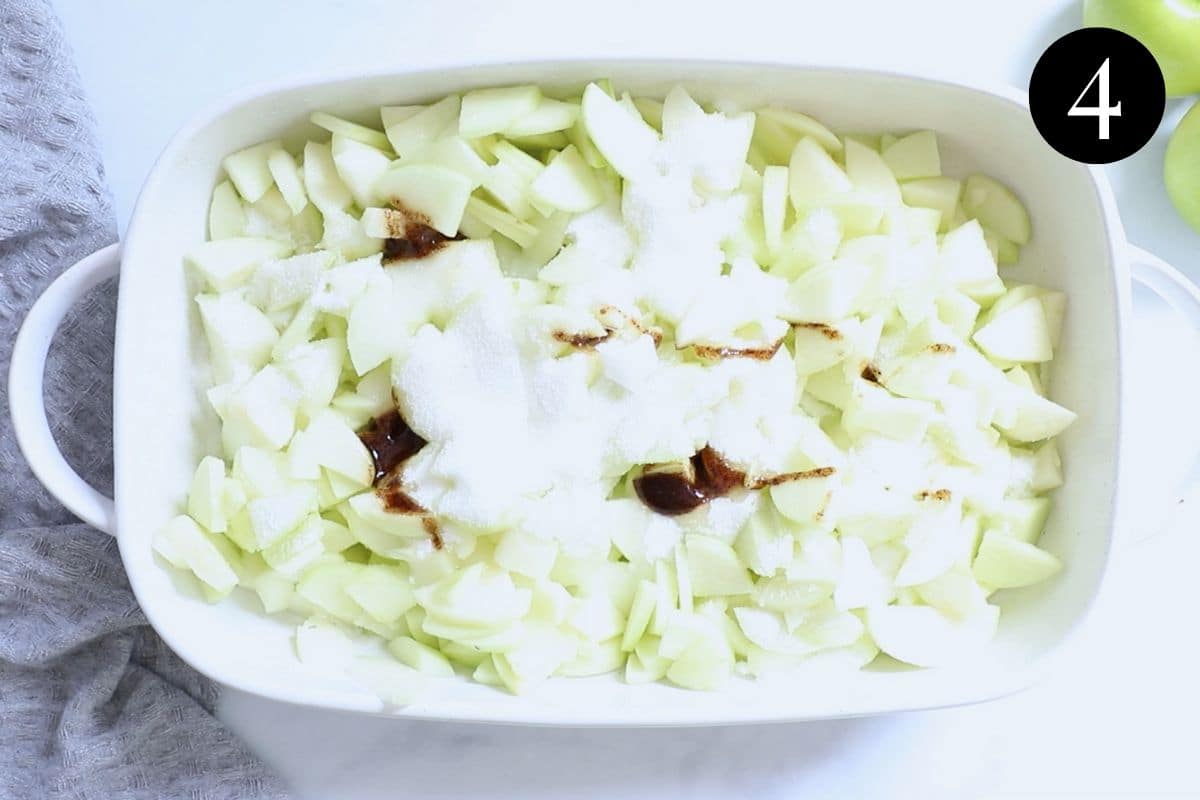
<point x="1103" y="112"/>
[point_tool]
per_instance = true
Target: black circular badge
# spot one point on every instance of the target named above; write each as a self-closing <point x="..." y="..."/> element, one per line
<point x="1097" y="95"/>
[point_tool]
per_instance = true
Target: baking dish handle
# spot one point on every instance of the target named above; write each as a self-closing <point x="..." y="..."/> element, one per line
<point x="26" y="402"/>
<point x="1178" y="292"/>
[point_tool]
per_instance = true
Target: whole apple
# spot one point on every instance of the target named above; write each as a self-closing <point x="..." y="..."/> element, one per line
<point x="1181" y="169"/>
<point x="1169" y="28"/>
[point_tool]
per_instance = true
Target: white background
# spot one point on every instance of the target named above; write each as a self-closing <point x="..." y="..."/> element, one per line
<point x="1119" y="715"/>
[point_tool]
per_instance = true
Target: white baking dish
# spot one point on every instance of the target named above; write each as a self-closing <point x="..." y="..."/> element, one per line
<point x="162" y="425"/>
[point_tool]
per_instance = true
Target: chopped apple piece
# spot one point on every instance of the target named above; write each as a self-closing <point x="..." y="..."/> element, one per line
<point x="965" y="260"/>
<point x="325" y="187"/>
<point x="502" y="222"/>
<point x="410" y="129"/>
<point x="806" y="498"/>
<point x="914" y="156"/>
<point x="714" y="568"/>
<point x="1018" y="334"/>
<point x="803" y="125"/>
<point x="995" y="206"/>
<point x="249" y="171"/>
<point x="226" y="216"/>
<point x="869" y="173"/>
<point x="1006" y="562"/>
<point x="287" y="178"/>
<point x="925" y="637"/>
<point x="568" y="183"/>
<point x="240" y="337"/>
<point x="488" y="111"/>
<point x="625" y="140"/>
<point x="774" y="206"/>
<point x="187" y="544"/>
<point x="453" y="153"/>
<point x="350" y="130"/>
<point x="206" y="497"/>
<point x="1028" y="417"/>
<point x="814" y="178"/>
<point x="940" y="194"/>
<point x="549" y="116"/>
<point x="420" y="657"/>
<point x="360" y="167"/>
<point x="227" y="263"/>
<point x="437" y="193"/>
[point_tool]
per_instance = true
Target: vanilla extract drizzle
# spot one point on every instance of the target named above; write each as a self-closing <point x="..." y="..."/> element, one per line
<point x="677" y="491"/>
<point x="391" y="443"/>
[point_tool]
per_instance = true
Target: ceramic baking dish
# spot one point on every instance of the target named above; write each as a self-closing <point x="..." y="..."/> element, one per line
<point x="163" y="426"/>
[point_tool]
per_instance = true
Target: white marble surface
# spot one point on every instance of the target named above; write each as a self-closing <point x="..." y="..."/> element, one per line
<point x="1118" y="717"/>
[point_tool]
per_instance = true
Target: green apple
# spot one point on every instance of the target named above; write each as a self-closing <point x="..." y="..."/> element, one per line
<point x="1169" y="28"/>
<point x="1181" y="169"/>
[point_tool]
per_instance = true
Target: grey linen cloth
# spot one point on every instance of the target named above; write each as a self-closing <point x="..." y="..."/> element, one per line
<point x="92" y="703"/>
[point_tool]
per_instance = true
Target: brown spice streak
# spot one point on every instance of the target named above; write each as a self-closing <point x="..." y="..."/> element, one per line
<point x="632" y="321"/>
<point x="775" y="480"/>
<point x="941" y="348"/>
<point x="584" y="341"/>
<point x="941" y="495"/>
<point x="828" y="331"/>
<point x="870" y="373"/>
<point x="396" y="500"/>
<point x="757" y="353"/>
<point x="435" y="534"/>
